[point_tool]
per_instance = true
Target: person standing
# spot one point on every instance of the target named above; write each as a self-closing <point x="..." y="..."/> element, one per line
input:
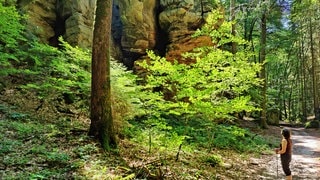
<point x="285" y="152"/>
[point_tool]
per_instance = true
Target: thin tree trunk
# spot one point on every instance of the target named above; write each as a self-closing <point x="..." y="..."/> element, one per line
<point x="285" y="109"/>
<point x="279" y="101"/>
<point x="303" y="84"/>
<point x="101" y="114"/>
<point x="233" y="27"/>
<point x="263" y="118"/>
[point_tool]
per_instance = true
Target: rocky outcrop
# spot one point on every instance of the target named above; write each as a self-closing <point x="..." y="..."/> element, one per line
<point x="41" y="18"/>
<point x="139" y="25"/>
<point x="180" y="19"/>
<point x="49" y="19"/>
<point x="162" y="25"/>
<point x="78" y="17"/>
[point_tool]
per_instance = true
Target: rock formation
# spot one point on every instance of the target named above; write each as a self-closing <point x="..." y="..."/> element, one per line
<point x="78" y="17"/>
<point x="161" y="25"/>
<point x="139" y="31"/>
<point x="180" y="19"/>
<point x="41" y="17"/>
<point x="49" y="19"/>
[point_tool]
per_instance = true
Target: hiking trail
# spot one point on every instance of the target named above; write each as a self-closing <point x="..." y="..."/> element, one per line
<point x="305" y="164"/>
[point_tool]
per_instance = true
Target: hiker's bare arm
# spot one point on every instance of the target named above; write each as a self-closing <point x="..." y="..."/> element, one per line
<point x="284" y="146"/>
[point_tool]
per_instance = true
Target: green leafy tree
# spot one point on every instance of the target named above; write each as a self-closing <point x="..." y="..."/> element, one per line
<point x="216" y="86"/>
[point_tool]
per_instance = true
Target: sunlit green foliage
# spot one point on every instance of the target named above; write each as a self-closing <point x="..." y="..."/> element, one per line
<point x="10" y="27"/>
<point x="157" y="136"/>
<point x="215" y="86"/>
<point x="10" y="35"/>
<point x="232" y="137"/>
<point x="165" y="138"/>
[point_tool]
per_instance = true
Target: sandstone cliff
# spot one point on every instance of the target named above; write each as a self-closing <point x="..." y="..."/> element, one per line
<point x="49" y="19"/>
<point x="162" y="25"/>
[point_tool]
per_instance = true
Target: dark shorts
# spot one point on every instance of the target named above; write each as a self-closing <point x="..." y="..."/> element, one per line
<point x="285" y="162"/>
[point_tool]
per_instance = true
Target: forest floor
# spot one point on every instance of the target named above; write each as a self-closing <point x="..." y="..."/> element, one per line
<point x="305" y="164"/>
<point x="50" y="147"/>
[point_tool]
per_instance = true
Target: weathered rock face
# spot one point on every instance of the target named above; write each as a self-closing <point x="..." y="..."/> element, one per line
<point x="41" y="17"/>
<point x="180" y="19"/>
<point x="162" y="25"/>
<point x="139" y="25"/>
<point x="72" y="19"/>
<point x="139" y="28"/>
<point x="79" y="20"/>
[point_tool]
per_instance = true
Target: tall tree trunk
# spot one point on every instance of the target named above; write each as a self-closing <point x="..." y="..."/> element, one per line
<point x="303" y="83"/>
<point x="314" y="74"/>
<point x="101" y="114"/>
<point x="263" y="41"/>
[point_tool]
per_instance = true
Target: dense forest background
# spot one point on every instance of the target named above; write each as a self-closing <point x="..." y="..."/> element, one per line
<point x="187" y="101"/>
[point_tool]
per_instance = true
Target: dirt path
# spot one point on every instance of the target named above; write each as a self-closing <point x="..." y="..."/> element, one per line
<point x="305" y="164"/>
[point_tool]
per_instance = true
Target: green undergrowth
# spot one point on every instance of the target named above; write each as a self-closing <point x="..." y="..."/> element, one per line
<point x="200" y="148"/>
<point x="36" y="149"/>
<point x="169" y="134"/>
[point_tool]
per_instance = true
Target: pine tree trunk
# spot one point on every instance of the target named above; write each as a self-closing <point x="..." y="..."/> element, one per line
<point x="101" y="114"/>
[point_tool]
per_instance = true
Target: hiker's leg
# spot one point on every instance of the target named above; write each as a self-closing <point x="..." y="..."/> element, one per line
<point x="289" y="177"/>
<point x="285" y="162"/>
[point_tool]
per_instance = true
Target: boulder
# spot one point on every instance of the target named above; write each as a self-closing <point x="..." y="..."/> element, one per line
<point x="49" y="19"/>
<point x="312" y="124"/>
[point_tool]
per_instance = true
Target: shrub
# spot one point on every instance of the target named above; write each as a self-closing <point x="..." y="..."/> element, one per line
<point x="215" y="86"/>
<point x="214" y="160"/>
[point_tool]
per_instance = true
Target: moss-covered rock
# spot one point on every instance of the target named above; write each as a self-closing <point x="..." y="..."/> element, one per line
<point x="312" y="124"/>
